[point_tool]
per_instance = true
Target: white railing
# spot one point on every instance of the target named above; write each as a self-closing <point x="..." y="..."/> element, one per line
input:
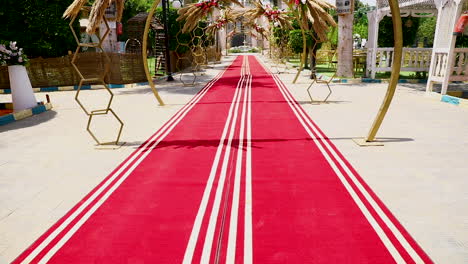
<point x="440" y="65"/>
<point x="413" y="59"/>
<point x="460" y="65"/>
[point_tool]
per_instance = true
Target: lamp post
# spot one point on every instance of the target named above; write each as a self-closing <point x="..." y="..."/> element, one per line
<point x="165" y="7"/>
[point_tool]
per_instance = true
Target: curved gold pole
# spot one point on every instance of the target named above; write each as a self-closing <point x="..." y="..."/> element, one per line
<point x="304" y="48"/>
<point x="143" y="51"/>
<point x="397" y="54"/>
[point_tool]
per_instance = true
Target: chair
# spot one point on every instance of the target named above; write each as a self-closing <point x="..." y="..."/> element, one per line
<point x="359" y="62"/>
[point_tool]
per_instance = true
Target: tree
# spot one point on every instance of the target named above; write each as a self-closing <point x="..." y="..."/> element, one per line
<point x="131" y="9"/>
<point x="360" y="19"/>
<point x="426" y="30"/>
<point x="38" y="26"/>
<point x="410" y="29"/>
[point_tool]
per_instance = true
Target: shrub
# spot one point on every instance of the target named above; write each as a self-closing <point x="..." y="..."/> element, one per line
<point x="38" y="26"/>
<point x="295" y="40"/>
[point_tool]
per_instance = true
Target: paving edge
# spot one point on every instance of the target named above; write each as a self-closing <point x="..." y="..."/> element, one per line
<point x="448" y="99"/>
<point x="84" y="87"/>
<point x="10" y="118"/>
<point x="369" y="80"/>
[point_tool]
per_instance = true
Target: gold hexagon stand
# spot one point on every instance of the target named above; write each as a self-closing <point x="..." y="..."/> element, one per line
<point x="180" y="58"/>
<point x="99" y="80"/>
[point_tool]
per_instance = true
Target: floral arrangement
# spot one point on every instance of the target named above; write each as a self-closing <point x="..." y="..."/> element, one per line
<point x="220" y="23"/>
<point x="216" y="25"/>
<point x="192" y="13"/>
<point x="278" y="17"/>
<point x="260" y="30"/>
<point x="227" y="15"/>
<point x="297" y="2"/>
<point x="207" y="4"/>
<point x="272" y="14"/>
<point x="10" y="54"/>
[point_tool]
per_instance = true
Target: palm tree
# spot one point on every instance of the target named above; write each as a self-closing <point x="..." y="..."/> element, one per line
<point x="316" y="13"/>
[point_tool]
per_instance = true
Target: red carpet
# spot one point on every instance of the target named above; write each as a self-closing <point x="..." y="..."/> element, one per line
<point x="239" y="175"/>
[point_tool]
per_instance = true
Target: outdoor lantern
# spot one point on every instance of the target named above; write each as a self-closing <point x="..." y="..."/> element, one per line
<point x="176" y="4"/>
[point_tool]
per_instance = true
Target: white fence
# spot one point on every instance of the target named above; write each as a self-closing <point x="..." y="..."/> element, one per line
<point x="414" y="59"/>
<point x="459" y="66"/>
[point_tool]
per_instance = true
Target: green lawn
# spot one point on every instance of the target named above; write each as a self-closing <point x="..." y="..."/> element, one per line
<point x="151" y="66"/>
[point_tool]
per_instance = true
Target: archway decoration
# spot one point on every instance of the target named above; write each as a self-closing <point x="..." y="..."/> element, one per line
<point x="276" y="17"/>
<point x="193" y="13"/>
<point x="95" y="76"/>
<point x="227" y="16"/>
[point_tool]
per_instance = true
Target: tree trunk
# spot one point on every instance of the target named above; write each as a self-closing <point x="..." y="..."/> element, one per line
<point x="313" y="62"/>
<point x="345" y="46"/>
<point x="304" y="50"/>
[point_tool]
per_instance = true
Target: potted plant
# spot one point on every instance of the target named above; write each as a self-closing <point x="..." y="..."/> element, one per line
<point x="20" y="85"/>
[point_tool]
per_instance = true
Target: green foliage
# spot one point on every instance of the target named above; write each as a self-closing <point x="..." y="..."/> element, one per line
<point x="131" y="9"/>
<point x="174" y="27"/>
<point x="38" y="26"/>
<point x="295" y="42"/>
<point x="360" y="29"/>
<point x="235" y="50"/>
<point x="426" y="30"/>
<point x="461" y="42"/>
<point x="238" y="50"/>
<point x="280" y="36"/>
<point x="333" y="38"/>
<point x="410" y="28"/>
<point x="361" y="22"/>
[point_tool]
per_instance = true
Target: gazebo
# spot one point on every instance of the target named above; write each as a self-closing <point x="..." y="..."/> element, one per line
<point x="443" y="61"/>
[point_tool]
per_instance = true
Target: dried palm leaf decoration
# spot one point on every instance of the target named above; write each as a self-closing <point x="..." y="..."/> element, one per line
<point x="193" y="13"/>
<point x="228" y="16"/>
<point x="278" y="17"/>
<point x="315" y="11"/>
<point x="260" y="30"/>
<point x="98" y="10"/>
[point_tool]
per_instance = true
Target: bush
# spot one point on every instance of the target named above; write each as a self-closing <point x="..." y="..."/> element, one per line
<point x="38" y="26"/>
<point x="295" y="40"/>
<point x="235" y="50"/>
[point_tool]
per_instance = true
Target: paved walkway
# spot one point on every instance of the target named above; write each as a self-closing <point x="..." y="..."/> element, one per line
<point x="44" y="176"/>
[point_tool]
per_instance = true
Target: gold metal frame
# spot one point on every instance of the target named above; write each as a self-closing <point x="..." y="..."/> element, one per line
<point x="319" y="80"/>
<point x="97" y="80"/>
<point x="145" y="56"/>
<point x="322" y="81"/>
<point x="397" y="56"/>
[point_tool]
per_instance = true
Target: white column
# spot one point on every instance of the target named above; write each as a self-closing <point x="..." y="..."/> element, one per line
<point x="373" y="35"/>
<point x="434" y="47"/>
<point x="451" y="54"/>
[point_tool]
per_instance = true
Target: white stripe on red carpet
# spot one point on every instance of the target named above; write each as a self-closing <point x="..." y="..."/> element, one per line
<point x="241" y="174"/>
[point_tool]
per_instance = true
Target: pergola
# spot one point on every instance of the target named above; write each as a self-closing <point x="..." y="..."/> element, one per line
<point x="444" y="62"/>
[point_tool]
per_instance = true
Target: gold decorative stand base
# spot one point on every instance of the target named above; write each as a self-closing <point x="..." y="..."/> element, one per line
<point x="363" y="143"/>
